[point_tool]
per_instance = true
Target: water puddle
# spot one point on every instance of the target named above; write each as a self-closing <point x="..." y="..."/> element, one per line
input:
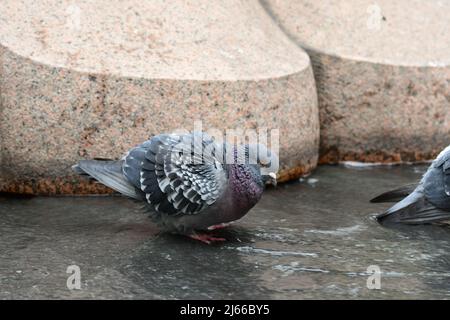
<point x="314" y="238"/>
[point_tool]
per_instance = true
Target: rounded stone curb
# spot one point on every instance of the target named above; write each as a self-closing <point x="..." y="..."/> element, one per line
<point x="53" y="115"/>
<point x="384" y="94"/>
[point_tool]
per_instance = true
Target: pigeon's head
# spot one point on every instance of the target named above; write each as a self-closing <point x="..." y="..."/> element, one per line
<point x="265" y="160"/>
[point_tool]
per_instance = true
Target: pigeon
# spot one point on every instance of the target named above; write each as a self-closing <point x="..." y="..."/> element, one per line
<point x="425" y="202"/>
<point x="189" y="183"/>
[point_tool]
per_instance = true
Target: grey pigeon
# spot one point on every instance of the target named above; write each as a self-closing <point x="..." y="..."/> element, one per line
<point x="189" y="183"/>
<point x="422" y="203"/>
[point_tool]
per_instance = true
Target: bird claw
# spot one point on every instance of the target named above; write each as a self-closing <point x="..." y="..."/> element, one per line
<point x="206" y="238"/>
<point x="219" y="226"/>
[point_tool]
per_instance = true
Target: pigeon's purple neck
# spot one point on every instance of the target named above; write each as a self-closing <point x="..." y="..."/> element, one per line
<point x="246" y="186"/>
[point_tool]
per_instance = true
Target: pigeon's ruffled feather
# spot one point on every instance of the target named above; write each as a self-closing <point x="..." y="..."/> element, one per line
<point x="175" y="173"/>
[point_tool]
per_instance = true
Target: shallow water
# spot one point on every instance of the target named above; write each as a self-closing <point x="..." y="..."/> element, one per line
<point x="314" y="238"/>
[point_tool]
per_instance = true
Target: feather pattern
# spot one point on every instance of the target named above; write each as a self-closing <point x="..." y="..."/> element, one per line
<point x="175" y="174"/>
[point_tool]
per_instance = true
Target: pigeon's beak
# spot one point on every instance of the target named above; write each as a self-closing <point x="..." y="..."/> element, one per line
<point x="273" y="178"/>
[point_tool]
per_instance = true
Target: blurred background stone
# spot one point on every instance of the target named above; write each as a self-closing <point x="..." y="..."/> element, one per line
<point x="92" y="79"/>
<point x="382" y="70"/>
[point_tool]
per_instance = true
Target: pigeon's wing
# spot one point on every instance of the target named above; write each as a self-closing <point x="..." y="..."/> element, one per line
<point x="179" y="174"/>
<point x="414" y="209"/>
<point x="396" y="194"/>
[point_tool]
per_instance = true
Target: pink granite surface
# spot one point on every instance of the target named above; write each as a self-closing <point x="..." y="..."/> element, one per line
<point x="382" y="71"/>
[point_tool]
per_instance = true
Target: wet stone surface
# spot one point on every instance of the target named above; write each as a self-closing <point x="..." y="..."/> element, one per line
<point x="310" y="239"/>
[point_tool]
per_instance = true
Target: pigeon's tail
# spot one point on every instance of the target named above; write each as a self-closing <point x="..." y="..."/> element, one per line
<point x="414" y="209"/>
<point x="109" y="173"/>
<point x="395" y="195"/>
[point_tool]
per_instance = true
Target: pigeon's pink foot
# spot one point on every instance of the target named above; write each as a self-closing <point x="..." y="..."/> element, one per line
<point x="206" y="238"/>
<point x="219" y="226"/>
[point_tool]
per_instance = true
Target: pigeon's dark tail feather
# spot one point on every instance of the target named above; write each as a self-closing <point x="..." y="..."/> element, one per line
<point x="395" y="195"/>
<point x="108" y="173"/>
<point x="414" y="209"/>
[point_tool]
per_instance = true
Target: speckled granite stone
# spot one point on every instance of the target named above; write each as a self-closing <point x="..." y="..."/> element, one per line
<point x="94" y="79"/>
<point x="383" y="74"/>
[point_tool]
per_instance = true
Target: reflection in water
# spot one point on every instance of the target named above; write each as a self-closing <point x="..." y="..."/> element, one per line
<point x="180" y="269"/>
<point x="314" y="238"/>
